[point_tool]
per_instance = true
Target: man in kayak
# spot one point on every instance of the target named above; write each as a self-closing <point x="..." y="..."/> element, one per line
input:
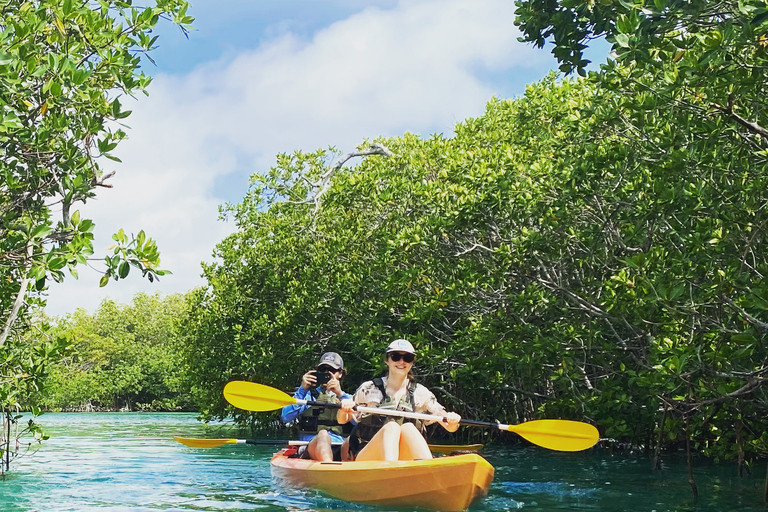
<point x="319" y="425"/>
<point x="378" y="437"/>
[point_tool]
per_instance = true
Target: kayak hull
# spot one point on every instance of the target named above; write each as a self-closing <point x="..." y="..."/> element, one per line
<point x="445" y="483"/>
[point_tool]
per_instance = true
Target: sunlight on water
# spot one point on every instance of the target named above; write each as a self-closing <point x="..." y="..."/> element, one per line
<point x="130" y="462"/>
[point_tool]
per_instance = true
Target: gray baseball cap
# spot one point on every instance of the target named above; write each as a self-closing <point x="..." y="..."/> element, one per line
<point x="332" y="359"/>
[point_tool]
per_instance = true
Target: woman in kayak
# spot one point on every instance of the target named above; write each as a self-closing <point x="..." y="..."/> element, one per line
<point x="378" y="437"/>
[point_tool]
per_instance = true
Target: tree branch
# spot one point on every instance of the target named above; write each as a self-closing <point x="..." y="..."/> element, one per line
<point x="753" y="127"/>
<point x="762" y="326"/>
<point x="324" y="183"/>
<point x="19" y="298"/>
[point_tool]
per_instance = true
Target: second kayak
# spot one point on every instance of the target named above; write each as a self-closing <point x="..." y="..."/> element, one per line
<point x="450" y="483"/>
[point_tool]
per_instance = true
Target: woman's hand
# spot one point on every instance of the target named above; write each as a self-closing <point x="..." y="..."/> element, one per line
<point x="346" y="411"/>
<point x="451" y="421"/>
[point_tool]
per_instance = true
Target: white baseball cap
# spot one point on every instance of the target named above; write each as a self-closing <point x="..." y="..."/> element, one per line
<point x="401" y="345"/>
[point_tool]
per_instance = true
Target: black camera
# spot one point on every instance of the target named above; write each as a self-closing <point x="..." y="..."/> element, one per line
<point x="322" y="377"/>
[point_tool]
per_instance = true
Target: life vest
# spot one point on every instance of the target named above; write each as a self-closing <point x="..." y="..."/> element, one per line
<point x="314" y="419"/>
<point x="369" y="425"/>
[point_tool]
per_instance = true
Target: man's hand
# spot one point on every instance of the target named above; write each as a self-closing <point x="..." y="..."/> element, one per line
<point x="334" y="385"/>
<point x="309" y="380"/>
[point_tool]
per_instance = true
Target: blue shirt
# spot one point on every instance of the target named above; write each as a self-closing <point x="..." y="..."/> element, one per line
<point x="291" y="412"/>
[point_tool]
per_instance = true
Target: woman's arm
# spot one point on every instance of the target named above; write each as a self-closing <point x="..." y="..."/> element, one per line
<point x="426" y="402"/>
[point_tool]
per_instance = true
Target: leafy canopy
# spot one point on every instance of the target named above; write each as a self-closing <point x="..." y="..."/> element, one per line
<point x="66" y="66"/>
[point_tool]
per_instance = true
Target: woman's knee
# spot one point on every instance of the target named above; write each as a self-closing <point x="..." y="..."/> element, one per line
<point x="409" y="428"/>
<point x="391" y="428"/>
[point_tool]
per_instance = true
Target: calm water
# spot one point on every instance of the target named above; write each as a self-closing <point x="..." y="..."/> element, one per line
<point x="130" y="462"/>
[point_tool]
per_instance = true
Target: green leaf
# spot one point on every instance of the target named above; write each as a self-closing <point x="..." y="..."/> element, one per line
<point x="743" y="338"/>
<point x="760" y="18"/>
<point x="57" y="263"/>
<point x="40" y="231"/>
<point x="86" y="226"/>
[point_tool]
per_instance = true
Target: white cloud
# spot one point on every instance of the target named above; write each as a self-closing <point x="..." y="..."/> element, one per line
<point x="417" y="67"/>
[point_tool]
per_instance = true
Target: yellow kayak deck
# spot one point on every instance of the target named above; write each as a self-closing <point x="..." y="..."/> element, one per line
<point x="450" y="483"/>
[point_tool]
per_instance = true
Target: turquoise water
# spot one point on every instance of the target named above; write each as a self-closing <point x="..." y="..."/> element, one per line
<point x="130" y="462"/>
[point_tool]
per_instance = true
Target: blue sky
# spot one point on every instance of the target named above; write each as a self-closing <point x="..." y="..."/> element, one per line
<point x="260" y="77"/>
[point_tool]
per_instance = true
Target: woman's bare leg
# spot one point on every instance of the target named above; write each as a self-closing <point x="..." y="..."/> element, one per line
<point x="413" y="446"/>
<point x="385" y="445"/>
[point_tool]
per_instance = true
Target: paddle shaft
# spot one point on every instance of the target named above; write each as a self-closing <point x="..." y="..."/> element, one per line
<point x="258" y="441"/>
<point x="196" y="442"/>
<point x="272" y="442"/>
<point x="391" y="412"/>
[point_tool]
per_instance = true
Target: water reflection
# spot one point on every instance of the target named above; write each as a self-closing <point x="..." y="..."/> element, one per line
<point x="129" y="462"/>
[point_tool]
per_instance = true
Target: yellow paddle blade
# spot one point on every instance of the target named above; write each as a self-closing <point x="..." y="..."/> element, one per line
<point x="203" y="443"/>
<point x="255" y="397"/>
<point x="561" y="435"/>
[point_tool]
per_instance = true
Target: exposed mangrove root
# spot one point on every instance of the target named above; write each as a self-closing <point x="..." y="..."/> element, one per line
<point x="691" y="480"/>
<point x="657" y="452"/>
<point x="743" y="468"/>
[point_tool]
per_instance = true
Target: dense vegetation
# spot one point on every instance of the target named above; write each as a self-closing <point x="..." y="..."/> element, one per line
<point x="122" y="357"/>
<point x="595" y="249"/>
<point x="544" y="261"/>
<point x="64" y="68"/>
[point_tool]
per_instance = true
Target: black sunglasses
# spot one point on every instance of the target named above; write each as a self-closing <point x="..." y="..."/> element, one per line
<point x="327" y="369"/>
<point x="405" y="356"/>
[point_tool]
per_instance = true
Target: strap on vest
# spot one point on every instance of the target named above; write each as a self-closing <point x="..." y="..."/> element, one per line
<point x="379" y="383"/>
<point x="310" y="421"/>
<point x="363" y="432"/>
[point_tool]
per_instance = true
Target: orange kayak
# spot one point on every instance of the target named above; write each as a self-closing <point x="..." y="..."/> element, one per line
<point x="450" y="483"/>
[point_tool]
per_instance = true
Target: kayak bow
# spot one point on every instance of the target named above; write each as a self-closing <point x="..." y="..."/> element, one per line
<point x="450" y="483"/>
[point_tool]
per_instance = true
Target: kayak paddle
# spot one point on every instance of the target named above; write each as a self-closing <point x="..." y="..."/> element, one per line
<point x="560" y="435"/>
<point x="197" y="442"/>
